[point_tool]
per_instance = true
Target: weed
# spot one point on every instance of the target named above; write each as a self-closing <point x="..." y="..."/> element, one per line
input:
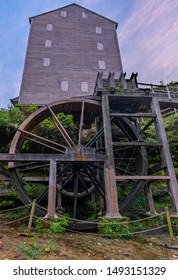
<point x="39" y="225"/>
<point x="58" y="226"/>
<point x="31" y="250"/>
<point x="34" y="250"/>
<point x="113" y="227"/>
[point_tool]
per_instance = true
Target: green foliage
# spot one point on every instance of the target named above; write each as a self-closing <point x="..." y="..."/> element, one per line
<point x="34" y="250"/>
<point x="34" y="189"/>
<point x="92" y="209"/>
<point x="30" y="250"/>
<point x="11" y="119"/>
<point x="113" y="227"/>
<point x="39" y="225"/>
<point x="16" y="214"/>
<point x="15" y="115"/>
<point x="58" y="226"/>
<point x="6" y="203"/>
<point x="140" y="202"/>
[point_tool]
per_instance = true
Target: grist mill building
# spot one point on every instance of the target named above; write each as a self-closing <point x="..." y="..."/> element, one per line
<point x="66" y="49"/>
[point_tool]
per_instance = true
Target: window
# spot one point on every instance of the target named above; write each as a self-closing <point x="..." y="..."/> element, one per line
<point x="64" y="85"/>
<point x="102" y="64"/>
<point x="84" y="15"/>
<point x="46" y="61"/>
<point x="100" y="46"/>
<point x="49" y="27"/>
<point x="48" y="44"/>
<point x="84" y="86"/>
<point x="63" y="13"/>
<point x="98" y="30"/>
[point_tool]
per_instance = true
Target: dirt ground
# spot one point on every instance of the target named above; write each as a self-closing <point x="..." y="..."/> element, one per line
<point x="15" y="245"/>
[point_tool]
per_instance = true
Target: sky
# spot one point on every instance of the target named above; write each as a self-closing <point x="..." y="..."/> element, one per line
<point x="147" y="35"/>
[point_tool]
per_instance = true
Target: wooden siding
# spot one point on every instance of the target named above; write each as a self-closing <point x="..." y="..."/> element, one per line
<point x="73" y="54"/>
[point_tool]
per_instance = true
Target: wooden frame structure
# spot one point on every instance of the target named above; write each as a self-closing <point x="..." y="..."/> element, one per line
<point x="121" y="104"/>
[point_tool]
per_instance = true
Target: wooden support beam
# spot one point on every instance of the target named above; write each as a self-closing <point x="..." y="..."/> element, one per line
<point x="123" y="80"/>
<point x="109" y="168"/>
<point x="142" y="177"/>
<point x="111" y="82"/>
<point x="125" y="144"/>
<point x="172" y="183"/>
<point x="134" y="115"/>
<point x="77" y="155"/>
<point x="149" y="196"/>
<point x="52" y="190"/>
<point x="81" y="123"/>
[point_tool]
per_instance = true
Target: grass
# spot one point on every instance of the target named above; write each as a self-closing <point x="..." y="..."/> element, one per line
<point x="36" y="250"/>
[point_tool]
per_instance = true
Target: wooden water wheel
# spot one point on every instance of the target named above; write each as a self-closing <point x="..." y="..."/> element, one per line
<point x="82" y="178"/>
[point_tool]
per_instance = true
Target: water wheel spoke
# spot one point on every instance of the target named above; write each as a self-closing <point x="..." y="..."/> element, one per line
<point x="76" y="182"/>
<point x="83" y="183"/>
<point x="96" y="166"/>
<point x="41" y="141"/>
<point x="41" y="196"/>
<point x="23" y="165"/>
<point x="122" y="149"/>
<point x="97" y="135"/>
<point x="94" y="180"/>
<point x="63" y="172"/>
<point x="123" y="171"/>
<point x="65" y="182"/>
<point x="81" y="123"/>
<point x="34" y="167"/>
<point x="147" y="126"/>
<point x="61" y="128"/>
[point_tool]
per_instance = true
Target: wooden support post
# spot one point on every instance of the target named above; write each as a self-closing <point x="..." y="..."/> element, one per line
<point x="59" y="201"/>
<point x="169" y="224"/>
<point x="123" y="80"/>
<point x="52" y="190"/>
<point x="172" y="182"/>
<point x="99" y="144"/>
<point x="149" y="197"/>
<point x="31" y="215"/>
<point x="112" y="209"/>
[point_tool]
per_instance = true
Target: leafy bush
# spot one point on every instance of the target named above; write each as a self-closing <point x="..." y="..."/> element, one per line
<point x="58" y="226"/>
<point x="113" y="227"/>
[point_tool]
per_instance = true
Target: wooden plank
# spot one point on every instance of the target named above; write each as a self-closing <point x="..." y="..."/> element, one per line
<point x="112" y="208"/>
<point x="173" y="185"/>
<point x="35" y="179"/>
<point x="142" y="177"/>
<point x="125" y="144"/>
<point x="52" y="190"/>
<point x="149" y="196"/>
<point x="134" y="115"/>
<point x="79" y="157"/>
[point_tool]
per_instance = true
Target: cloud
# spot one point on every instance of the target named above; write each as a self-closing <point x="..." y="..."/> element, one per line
<point x="148" y="38"/>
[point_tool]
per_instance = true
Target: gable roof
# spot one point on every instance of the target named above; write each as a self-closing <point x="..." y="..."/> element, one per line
<point x="77" y="6"/>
